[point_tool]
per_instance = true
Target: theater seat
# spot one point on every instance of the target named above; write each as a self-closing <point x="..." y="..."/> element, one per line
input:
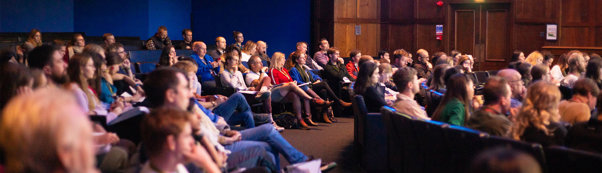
<point x="431" y="144"/>
<point x="464" y="144"/>
<point x="400" y="141"/>
<point x="370" y="136"/>
<point x="561" y="159"/>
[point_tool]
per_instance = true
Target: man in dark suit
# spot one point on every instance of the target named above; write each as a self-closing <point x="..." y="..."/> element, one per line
<point x="220" y="48"/>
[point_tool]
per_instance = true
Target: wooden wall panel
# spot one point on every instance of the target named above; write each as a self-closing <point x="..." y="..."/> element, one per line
<point x="368" y="41"/>
<point x="598" y="37"/>
<point x="401" y="9"/>
<point x="425" y="38"/>
<point x="537" y="10"/>
<point x="497" y="42"/>
<point x="576" y="36"/>
<point x="464" y="31"/>
<point x="345" y="9"/>
<point x="576" y="11"/>
<point x="369" y="9"/>
<point x="527" y="38"/>
<point x="427" y="9"/>
<point x="344" y="38"/>
<point x="400" y="37"/>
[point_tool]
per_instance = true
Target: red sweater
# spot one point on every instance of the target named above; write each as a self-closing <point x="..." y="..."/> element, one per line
<point x="279" y="77"/>
<point x="352" y="70"/>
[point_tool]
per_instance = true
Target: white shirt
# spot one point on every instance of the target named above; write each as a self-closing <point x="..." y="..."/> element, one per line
<point x="147" y="168"/>
<point x="233" y="80"/>
<point x="245" y="57"/>
<point x="557" y="73"/>
<point x="251" y="76"/>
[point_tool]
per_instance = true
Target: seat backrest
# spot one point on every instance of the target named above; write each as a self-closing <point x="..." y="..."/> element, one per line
<point x="400" y="140"/>
<point x="534" y="149"/>
<point x="561" y="159"/>
<point x="481" y="76"/>
<point x="434" y="98"/>
<point x="465" y="143"/>
<point x="431" y="146"/>
<point x="359" y="112"/>
<point x="145" y="67"/>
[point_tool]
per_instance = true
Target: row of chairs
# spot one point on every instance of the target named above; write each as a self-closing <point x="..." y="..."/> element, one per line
<point x="393" y="142"/>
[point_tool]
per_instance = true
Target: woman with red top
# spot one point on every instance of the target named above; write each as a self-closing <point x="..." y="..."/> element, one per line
<point x="279" y="75"/>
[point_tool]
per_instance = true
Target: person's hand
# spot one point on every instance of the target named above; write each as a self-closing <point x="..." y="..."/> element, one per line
<point x="220" y="99"/>
<point x="220" y="157"/>
<point x="317" y="81"/>
<point x="214" y="64"/>
<point x="118" y="105"/>
<point x="341" y="60"/>
<point x="126" y="63"/>
<point x="429" y="65"/>
<point x="24" y="90"/>
<point x="234" y="135"/>
<point x="200" y="157"/>
<point x="106" y="138"/>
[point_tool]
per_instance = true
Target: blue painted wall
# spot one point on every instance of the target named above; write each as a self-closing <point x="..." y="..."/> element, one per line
<point x="280" y="23"/>
<point x="122" y="18"/>
<point x="48" y="16"/>
<point x="175" y="15"/>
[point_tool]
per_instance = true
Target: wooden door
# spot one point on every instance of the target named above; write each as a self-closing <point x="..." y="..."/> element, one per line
<point x="483" y="31"/>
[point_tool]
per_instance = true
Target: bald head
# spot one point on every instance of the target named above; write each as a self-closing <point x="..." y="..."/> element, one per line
<point x="513" y="78"/>
<point x="200" y="48"/>
<point x="220" y="43"/>
<point x="261" y="47"/>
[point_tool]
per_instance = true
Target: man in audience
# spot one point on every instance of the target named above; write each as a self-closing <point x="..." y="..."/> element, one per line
<point x="586" y="135"/>
<point x="579" y="107"/>
<point x="401" y="58"/>
<point x="187" y="42"/>
<point x="408" y="85"/>
<point x="159" y="40"/>
<point x="335" y="73"/>
<point x="491" y="117"/>
<point x="238" y="39"/>
<point x="126" y="66"/>
<point x="262" y="52"/>
<point x="207" y="66"/>
<point x="422" y="65"/>
<point x="108" y="39"/>
<point x="48" y="59"/>
<point x="517" y="86"/>
<point x="169" y="87"/>
<point x="167" y="138"/>
<point x="220" y="48"/>
<point x="313" y="65"/>
<point x="384" y="57"/>
<point x="320" y="56"/>
<point x="46" y="131"/>
<point x="352" y="66"/>
<point x="77" y="45"/>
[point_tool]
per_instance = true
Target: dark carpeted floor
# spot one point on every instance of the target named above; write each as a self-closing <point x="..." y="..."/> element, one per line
<point x="330" y="142"/>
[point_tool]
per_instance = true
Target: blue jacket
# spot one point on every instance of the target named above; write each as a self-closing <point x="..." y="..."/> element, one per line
<point x="296" y="76"/>
<point x="204" y="71"/>
<point x="207" y="112"/>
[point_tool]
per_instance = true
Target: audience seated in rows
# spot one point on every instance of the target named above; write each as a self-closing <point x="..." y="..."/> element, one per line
<point x="492" y="117"/>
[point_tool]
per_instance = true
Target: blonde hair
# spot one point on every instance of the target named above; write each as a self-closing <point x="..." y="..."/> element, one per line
<point x="186" y="66"/>
<point x="539" y="109"/>
<point x="37" y="130"/>
<point x="534" y="57"/>
<point x="277" y="58"/>
<point x="385" y="68"/>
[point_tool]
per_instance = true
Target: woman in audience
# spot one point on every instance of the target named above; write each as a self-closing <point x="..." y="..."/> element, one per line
<point x="112" y="73"/>
<point x="366" y="85"/>
<point x="548" y="58"/>
<point x="280" y="75"/>
<point x="248" y="50"/>
<point x="576" y="68"/>
<point x="455" y="55"/>
<point x="15" y="79"/>
<point x="525" y="72"/>
<point x="46" y="131"/>
<point x="559" y="69"/>
<point x="77" y="45"/>
<point x="538" y="119"/>
<point x="464" y="64"/>
<point x="114" y="64"/>
<point x="455" y="105"/>
<point x="168" y="57"/>
<point x="593" y="71"/>
<point x="517" y="56"/>
<point x="234" y="51"/>
<point x="534" y="58"/>
<point x="287" y="92"/>
<point x="352" y="66"/>
<point x="385" y="73"/>
<point x="437" y="82"/>
<point x="34" y="39"/>
<point x="81" y="70"/>
<point x="316" y="88"/>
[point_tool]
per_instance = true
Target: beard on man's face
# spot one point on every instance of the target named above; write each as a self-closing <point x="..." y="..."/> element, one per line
<point x="59" y="79"/>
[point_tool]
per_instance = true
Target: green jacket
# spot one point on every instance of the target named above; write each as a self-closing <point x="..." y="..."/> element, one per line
<point x="453" y="113"/>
